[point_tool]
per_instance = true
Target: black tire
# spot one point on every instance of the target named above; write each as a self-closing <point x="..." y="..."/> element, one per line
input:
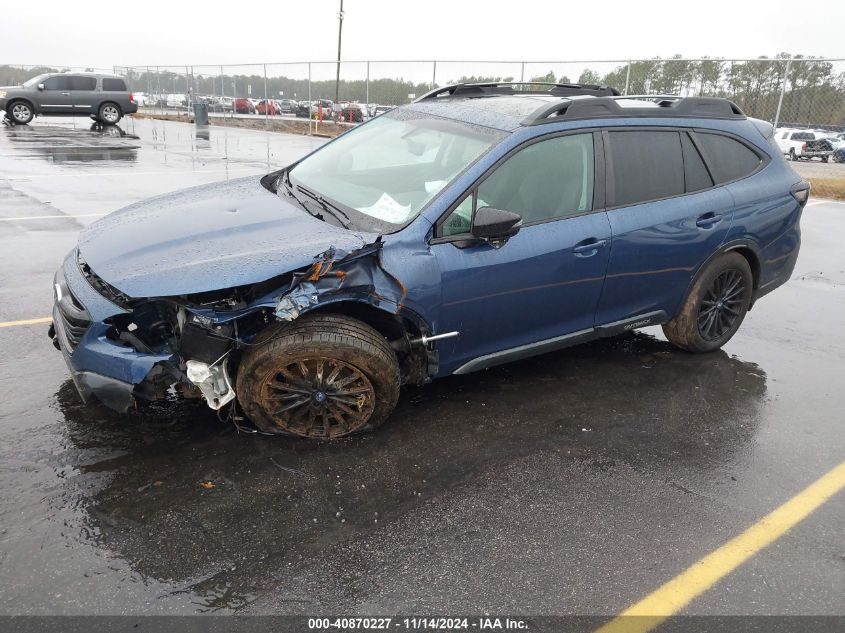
<point x="824" y="159"/>
<point x="109" y="113"/>
<point x="332" y="375"/>
<point x="20" y="112"/>
<point x="792" y="155"/>
<point x="714" y="307"/>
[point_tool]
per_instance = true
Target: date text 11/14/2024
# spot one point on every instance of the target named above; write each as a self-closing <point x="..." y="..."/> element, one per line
<point x="417" y="624"/>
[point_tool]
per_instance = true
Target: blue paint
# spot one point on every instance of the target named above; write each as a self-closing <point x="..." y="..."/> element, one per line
<point x="535" y="287"/>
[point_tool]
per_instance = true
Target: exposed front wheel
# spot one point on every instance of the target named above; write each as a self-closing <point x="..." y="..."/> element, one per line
<point x="322" y="376"/>
<point x="715" y="306"/>
<point x="109" y="113"/>
<point x="20" y="112"/>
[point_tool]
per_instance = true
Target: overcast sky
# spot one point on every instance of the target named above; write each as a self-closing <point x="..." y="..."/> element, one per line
<point x="152" y="32"/>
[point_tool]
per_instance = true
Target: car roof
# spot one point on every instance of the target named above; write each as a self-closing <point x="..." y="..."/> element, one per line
<point x="499" y="106"/>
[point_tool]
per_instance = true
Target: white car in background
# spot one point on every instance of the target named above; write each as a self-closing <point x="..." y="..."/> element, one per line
<point x="791" y="141"/>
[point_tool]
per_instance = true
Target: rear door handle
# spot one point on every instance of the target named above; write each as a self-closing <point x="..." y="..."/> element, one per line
<point x="65" y="94"/>
<point x="708" y="219"/>
<point x="588" y="247"/>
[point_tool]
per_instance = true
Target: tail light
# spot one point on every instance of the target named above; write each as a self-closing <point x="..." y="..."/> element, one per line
<point x="804" y="147"/>
<point x="801" y="192"/>
<point x="131" y="98"/>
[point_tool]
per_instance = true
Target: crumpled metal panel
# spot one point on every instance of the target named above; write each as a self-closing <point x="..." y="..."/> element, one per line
<point x="207" y="238"/>
<point x="338" y="274"/>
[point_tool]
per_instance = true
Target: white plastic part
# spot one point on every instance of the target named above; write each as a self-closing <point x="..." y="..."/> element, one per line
<point x="212" y="380"/>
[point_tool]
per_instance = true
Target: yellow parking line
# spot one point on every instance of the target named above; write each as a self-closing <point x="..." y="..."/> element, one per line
<point x="25" y="322"/>
<point x="52" y="217"/>
<point x="681" y="590"/>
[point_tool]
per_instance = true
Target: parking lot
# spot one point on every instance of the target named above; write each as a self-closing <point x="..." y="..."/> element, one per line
<point x="573" y="483"/>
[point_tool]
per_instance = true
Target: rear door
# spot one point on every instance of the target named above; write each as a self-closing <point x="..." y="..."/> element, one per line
<point x="666" y="217"/>
<point x="84" y="94"/>
<point x="56" y="97"/>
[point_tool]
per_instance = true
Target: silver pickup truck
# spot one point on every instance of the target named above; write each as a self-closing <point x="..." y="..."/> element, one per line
<point x="104" y="98"/>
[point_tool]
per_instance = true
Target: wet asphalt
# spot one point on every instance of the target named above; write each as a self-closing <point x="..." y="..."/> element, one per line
<point x="573" y="483"/>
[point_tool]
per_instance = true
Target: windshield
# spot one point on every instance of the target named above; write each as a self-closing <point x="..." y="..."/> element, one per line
<point x="35" y="80"/>
<point x="390" y="168"/>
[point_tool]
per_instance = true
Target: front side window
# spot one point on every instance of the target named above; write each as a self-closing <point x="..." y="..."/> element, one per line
<point x="391" y="167"/>
<point x="647" y="165"/>
<point x="549" y="180"/>
<point x="57" y="83"/>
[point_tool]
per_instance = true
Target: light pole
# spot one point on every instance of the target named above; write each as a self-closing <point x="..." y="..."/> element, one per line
<point x="339" y="34"/>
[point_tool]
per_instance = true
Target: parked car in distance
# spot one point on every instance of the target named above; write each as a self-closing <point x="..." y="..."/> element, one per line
<point x="476" y="226"/>
<point x="243" y="106"/>
<point x="352" y="113"/>
<point x="287" y="106"/>
<point x="381" y="109"/>
<point x="791" y="142"/>
<point x="104" y="98"/>
<point x="266" y="106"/>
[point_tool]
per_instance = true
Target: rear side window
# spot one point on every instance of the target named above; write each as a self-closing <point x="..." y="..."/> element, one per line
<point x="83" y="83"/>
<point x="114" y="85"/>
<point x="696" y="176"/>
<point x="729" y="158"/>
<point x="647" y="165"/>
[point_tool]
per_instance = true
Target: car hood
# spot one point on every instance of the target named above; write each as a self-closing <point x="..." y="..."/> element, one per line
<point x="207" y="238"/>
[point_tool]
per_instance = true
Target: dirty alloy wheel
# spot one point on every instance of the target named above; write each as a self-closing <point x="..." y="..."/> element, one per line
<point x="109" y="113"/>
<point x="715" y="306"/>
<point x="321" y="376"/>
<point x="21" y="113"/>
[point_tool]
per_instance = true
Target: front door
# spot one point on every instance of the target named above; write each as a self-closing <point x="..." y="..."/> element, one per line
<point x="545" y="281"/>
<point x="56" y="97"/>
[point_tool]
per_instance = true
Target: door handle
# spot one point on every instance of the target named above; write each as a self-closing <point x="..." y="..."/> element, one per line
<point x="708" y="219"/>
<point x="588" y="247"/>
<point x="65" y="94"/>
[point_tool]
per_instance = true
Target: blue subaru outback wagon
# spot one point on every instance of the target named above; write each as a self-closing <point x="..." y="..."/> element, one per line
<point x="481" y="224"/>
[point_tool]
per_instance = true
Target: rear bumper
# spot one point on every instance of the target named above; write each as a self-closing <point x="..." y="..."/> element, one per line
<point x="132" y="108"/>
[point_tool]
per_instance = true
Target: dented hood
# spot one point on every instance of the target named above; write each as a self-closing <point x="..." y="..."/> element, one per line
<point x="207" y="238"/>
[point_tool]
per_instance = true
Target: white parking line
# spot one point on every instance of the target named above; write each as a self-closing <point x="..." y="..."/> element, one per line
<point x="123" y="174"/>
<point x="53" y="217"/>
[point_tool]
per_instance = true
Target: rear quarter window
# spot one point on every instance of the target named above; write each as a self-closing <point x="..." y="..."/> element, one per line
<point x="114" y="85"/>
<point x="728" y="158"/>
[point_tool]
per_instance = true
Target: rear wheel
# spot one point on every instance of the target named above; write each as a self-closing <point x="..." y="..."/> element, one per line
<point x="20" y="112"/>
<point x="824" y="159"/>
<point x="792" y="155"/>
<point x="109" y="113"/>
<point x="322" y="376"/>
<point x="715" y="306"/>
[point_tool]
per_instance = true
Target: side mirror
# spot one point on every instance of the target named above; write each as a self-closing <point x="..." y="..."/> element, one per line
<point x="495" y="225"/>
<point x="41" y="86"/>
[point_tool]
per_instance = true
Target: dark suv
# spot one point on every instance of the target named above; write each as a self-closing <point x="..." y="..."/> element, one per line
<point x="479" y="225"/>
<point x="104" y="98"/>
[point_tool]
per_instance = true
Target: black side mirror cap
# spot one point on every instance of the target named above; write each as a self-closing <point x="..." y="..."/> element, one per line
<point x="495" y="225"/>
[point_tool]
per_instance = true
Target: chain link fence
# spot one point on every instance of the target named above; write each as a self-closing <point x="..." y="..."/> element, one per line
<point x="797" y="91"/>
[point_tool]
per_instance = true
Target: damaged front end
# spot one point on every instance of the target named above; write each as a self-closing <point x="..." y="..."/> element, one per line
<point x="155" y="348"/>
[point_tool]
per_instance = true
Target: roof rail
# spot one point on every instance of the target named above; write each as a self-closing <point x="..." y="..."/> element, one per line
<point x="508" y="88"/>
<point x="608" y="107"/>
